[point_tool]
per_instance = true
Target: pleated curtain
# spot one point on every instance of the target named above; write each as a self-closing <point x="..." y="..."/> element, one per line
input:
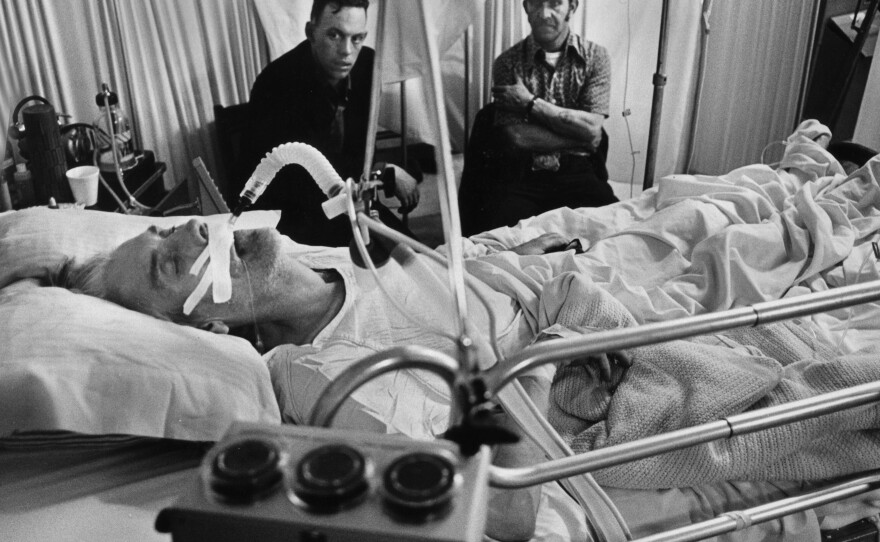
<point x="169" y="61"/>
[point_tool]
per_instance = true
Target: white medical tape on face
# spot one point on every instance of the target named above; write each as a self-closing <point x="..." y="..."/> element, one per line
<point x="220" y="240"/>
<point x="200" y="262"/>
<point x="220" y="243"/>
<point x="196" y="296"/>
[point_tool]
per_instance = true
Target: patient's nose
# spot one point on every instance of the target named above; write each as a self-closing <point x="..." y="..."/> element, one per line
<point x="197" y="229"/>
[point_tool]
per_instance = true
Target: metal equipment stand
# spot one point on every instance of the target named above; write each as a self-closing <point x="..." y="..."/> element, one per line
<point x="657" y="104"/>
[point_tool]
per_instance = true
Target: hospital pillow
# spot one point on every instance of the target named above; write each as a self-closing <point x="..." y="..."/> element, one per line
<point x="73" y="362"/>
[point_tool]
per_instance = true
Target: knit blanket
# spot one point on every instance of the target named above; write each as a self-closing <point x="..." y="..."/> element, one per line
<point x="684" y="383"/>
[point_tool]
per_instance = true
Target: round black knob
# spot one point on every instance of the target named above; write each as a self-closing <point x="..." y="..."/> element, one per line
<point x="418" y="485"/>
<point x="331" y="477"/>
<point x="246" y="470"/>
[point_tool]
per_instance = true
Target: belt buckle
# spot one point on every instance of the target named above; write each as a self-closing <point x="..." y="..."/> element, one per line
<point x="545" y="162"/>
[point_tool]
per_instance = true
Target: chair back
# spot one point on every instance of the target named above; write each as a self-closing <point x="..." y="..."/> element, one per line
<point x="232" y="123"/>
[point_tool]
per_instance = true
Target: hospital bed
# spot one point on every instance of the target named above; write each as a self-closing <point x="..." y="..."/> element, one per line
<point x="106" y="412"/>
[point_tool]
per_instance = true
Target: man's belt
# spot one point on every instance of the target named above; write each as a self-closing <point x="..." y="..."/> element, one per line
<point x="562" y="163"/>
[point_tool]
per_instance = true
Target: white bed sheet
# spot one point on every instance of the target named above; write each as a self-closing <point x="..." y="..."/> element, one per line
<point x="94" y="488"/>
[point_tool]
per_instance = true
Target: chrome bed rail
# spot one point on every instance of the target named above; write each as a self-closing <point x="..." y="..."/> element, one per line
<point x="739" y="424"/>
<point x="499" y="375"/>
<point x="742" y="519"/>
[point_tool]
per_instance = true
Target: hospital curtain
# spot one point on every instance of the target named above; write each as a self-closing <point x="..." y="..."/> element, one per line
<point x="505" y="24"/>
<point x="867" y="130"/>
<point x="754" y="70"/>
<point x="168" y="61"/>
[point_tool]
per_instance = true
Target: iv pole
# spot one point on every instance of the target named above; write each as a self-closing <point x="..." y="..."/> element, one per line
<point x="657" y="103"/>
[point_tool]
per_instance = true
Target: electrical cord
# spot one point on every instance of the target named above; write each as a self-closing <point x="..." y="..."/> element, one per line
<point x="626" y="111"/>
<point x="764" y="153"/>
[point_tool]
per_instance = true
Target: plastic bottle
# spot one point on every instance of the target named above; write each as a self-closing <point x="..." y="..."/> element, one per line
<point x="23" y="184"/>
<point x="119" y="126"/>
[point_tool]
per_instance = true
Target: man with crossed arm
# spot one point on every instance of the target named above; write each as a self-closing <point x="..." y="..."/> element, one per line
<point x="551" y="97"/>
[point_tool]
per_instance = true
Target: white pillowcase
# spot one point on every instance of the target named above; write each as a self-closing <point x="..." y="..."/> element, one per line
<point x="78" y="363"/>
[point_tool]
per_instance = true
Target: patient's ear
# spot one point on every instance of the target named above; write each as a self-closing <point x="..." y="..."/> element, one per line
<point x="310" y="31"/>
<point x="215" y="326"/>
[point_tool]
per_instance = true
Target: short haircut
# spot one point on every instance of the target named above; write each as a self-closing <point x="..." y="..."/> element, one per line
<point x="319" y="5"/>
<point x="87" y="277"/>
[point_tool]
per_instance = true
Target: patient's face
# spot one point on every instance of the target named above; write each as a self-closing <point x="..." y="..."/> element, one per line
<point x="150" y="273"/>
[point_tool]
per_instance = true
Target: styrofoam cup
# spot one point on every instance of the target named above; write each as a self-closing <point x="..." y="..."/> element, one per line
<point x="84" y="184"/>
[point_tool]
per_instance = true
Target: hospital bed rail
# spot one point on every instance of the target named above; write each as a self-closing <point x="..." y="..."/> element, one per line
<point x="765" y="312"/>
<point x="742" y="519"/>
<point x="502" y="374"/>
<point x="731" y="426"/>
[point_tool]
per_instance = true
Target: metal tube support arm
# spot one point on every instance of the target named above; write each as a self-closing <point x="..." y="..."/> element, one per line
<point x="657" y="103"/>
<point x="404" y="357"/>
<point x="730" y="522"/>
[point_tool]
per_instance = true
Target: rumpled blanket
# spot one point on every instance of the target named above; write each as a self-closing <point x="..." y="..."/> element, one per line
<point x="697" y="243"/>
<point x="688" y="382"/>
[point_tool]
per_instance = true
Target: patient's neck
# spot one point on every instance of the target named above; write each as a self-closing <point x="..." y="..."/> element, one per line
<point x="304" y="318"/>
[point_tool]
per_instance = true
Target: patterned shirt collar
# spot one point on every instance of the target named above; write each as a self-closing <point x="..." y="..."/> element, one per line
<point x="573" y="44"/>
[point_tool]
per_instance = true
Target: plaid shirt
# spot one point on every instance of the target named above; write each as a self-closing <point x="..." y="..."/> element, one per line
<point x="581" y="80"/>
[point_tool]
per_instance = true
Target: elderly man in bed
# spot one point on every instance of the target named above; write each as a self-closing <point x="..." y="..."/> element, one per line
<point x="317" y="302"/>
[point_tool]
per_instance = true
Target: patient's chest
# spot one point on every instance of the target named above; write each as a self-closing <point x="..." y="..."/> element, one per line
<point x="411" y="304"/>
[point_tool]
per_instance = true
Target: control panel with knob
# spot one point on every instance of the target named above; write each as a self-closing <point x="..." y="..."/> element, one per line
<point x="309" y="484"/>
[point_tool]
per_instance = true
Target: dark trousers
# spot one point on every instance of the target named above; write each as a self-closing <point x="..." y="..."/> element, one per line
<point x="302" y="218"/>
<point x="541" y="191"/>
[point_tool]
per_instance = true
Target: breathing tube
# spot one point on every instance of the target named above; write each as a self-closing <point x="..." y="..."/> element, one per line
<point x="293" y="153"/>
<point x="215" y="257"/>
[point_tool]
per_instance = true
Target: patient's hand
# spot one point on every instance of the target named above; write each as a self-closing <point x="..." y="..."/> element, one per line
<point x="406" y="189"/>
<point x="548" y="242"/>
<point x="603" y="363"/>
